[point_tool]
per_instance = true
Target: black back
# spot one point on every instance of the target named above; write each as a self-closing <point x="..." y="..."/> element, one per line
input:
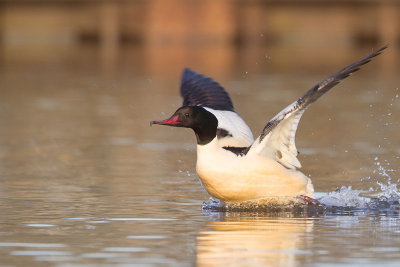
<point x="198" y="90"/>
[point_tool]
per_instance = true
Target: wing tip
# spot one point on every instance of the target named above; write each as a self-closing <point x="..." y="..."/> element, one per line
<point x="188" y="73"/>
<point x="369" y="57"/>
<point x="380" y="50"/>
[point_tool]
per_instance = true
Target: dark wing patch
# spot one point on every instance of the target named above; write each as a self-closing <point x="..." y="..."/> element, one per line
<point x="317" y="91"/>
<point x="221" y="133"/>
<point x="198" y="90"/>
<point x="239" y="151"/>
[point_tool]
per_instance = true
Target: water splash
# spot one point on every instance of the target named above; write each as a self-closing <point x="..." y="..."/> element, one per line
<point x="389" y="192"/>
<point x="385" y="199"/>
<point x="344" y="197"/>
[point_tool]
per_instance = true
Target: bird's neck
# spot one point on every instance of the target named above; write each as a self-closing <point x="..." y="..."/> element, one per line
<point x="205" y="135"/>
<point x="205" y="127"/>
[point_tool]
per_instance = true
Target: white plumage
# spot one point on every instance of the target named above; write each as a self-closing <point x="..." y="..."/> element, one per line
<point x="235" y="126"/>
<point x="279" y="144"/>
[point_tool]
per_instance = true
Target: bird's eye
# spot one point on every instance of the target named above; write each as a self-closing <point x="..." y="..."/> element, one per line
<point x="187" y="115"/>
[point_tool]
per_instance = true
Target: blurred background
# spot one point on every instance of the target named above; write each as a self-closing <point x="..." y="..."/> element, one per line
<point x="218" y="37"/>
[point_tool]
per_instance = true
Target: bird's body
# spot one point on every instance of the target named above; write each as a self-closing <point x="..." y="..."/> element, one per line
<point x="234" y="167"/>
<point x="234" y="178"/>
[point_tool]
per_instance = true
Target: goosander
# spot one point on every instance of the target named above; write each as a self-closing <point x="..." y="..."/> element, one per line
<point x="234" y="167"/>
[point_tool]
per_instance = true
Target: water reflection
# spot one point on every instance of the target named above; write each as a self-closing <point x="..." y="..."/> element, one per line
<point x="264" y="240"/>
<point x="240" y="240"/>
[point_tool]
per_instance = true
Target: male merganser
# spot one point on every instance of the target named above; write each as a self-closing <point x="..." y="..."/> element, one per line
<point x="231" y="165"/>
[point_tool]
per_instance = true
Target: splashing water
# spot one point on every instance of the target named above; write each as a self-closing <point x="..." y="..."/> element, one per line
<point x="387" y="200"/>
<point x="389" y="192"/>
<point x="344" y="197"/>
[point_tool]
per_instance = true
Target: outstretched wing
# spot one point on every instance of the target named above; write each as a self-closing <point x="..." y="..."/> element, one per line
<point x="277" y="139"/>
<point x="198" y="90"/>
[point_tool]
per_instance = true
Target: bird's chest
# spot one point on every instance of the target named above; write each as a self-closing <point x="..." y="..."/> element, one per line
<point x="215" y="167"/>
<point x="216" y="164"/>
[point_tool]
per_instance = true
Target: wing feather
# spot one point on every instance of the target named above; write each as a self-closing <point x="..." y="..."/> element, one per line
<point x="277" y="140"/>
<point x="198" y="90"/>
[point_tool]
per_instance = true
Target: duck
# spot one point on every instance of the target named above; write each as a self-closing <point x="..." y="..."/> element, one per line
<point x="233" y="167"/>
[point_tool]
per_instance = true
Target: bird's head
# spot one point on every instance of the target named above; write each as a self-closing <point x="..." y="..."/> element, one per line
<point x="203" y="122"/>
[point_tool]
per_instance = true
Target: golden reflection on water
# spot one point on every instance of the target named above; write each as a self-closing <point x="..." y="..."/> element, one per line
<point x="253" y="241"/>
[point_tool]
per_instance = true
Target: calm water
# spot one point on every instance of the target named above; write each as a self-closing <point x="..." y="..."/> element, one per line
<point x="84" y="180"/>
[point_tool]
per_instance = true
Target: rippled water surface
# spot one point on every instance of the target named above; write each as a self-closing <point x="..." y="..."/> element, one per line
<point x="84" y="180"/>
